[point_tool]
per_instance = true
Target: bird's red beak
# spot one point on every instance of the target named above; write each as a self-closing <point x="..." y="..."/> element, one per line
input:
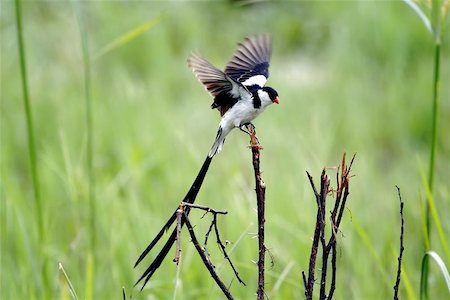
<point x="276" y="100"/>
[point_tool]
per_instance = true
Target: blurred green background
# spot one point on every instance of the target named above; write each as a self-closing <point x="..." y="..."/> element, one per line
<point x="353" y="77"/>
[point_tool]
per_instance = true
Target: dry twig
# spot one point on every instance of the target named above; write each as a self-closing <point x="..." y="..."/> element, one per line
<point x="260" y="198"/>
<point x="400" y="256"/>
<point x="202" y="252"/>
<point x="342" y="192"/>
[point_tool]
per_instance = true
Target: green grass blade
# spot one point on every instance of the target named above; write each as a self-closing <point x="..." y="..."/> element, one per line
<point x="281" y="278"/>
<point x="423" y="17"/>
<point x="435" y="215"/>
<point x="408" y="285"/>
<point x="89" y="152"/>
<point x="423" y="220"/>
<point x="31" y="146"/>
<point x="436" y="20"/>
<point x="128" y="37"/>
<point x="66" y="285"/>
<point x="441" y="266"/>
<point x="89" y="277"/>
<point x="368" y="243"/>
<point x="89" y="127"/>
<point x="435" y="113"/>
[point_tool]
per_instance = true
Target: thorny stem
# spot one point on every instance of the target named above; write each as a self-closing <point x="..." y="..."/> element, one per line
<point x="312" y="258"/>
<point x="260" y="189"/>
<point x="176" y="260"/>
<point x="400" y="256"/>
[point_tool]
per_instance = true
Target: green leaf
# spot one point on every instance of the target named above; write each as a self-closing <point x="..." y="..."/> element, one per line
<point x="416" y="8"/>
<point x="434" y="214"/>
<point x="441" y="266"/>
<point x="128" y="37"/>
<point x="66" y="285"/>
<point x="89" y="276"/>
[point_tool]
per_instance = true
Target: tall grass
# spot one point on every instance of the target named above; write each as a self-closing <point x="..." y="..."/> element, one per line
<point x="442" y="267"/>
<point x="39" y="215"/>
<point x="67" y="290"/>
<point x="434" y="24"/>
<point x="89" y="125"/>
<point x="90" y="259"/>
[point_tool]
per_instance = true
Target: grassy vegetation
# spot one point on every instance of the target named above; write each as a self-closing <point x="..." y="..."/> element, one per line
<point x="352" y="77"/>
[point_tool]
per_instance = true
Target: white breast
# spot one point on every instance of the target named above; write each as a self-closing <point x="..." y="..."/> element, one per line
<point x="242" y="112"/>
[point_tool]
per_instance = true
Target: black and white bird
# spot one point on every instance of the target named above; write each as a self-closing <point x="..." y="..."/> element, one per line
<point x="240" y="95"/>
<point x="239" y="92"/>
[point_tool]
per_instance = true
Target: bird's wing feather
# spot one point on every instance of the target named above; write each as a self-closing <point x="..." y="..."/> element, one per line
<point x="214" y="80"/>
<point x="250" y="62"/>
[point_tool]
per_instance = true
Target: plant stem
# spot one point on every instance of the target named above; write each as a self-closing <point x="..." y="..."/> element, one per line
<point x="436" y="85"/>
<point x="31" y="146"/>
<point x="435" y="113"/>
<point x="90" y="264"/>
<point x="89" y="128"/>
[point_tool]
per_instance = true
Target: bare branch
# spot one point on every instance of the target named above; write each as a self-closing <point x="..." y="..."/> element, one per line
<point x="176" y="259"/>
<point x="260" y="189"/>
<point x="341" y="195"/>
<point x="309" y="286"/>
<point x="205" y="208"/>
<point x="201" y="251"/>
<point x="222" y="247"/>
<point x="399" y="270"/>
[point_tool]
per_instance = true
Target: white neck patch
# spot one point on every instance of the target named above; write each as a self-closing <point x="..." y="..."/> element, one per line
<point x="257" y="79"/>
<point x="264" y="97"/>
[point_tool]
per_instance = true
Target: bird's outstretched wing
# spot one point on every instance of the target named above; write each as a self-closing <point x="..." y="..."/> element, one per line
<point x="250" y="62"/>
<point x="214" y="80"/>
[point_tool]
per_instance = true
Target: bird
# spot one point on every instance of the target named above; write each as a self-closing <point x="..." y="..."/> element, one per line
<point x="239" y="92"/>
<point x="240" y="95"/>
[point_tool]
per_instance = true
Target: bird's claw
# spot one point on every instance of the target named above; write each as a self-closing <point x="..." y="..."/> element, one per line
<point x="247" y="125"/>
<point x="254" y="142"/>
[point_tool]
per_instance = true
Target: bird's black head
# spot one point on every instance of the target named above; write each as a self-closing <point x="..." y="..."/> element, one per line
<point x="273" y="95"/>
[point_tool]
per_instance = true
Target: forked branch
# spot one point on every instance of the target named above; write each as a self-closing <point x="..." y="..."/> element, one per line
<point x="328" y="247"/>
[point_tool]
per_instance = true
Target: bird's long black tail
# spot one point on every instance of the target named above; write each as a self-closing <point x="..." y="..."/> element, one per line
<point x="189" y="198"/>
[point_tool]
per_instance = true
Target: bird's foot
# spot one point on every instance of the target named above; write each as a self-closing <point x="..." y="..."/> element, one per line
<point x="250" y="130"/>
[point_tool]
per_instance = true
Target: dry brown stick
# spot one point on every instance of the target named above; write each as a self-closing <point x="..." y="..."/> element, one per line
<point x="342" y="192"/>
<point x="333" y="271"/>
<point x="260" y="188"/>
<point x="201" y="251"/>
<point x="222" y="247"/>
<point x="205" y="208"/>
<point x="215" y="212"/>
<point x="176" y="259"/>
<point x="324" y="188"/>
<point x="309" y="283"/>
<point x="399" y="270"/>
